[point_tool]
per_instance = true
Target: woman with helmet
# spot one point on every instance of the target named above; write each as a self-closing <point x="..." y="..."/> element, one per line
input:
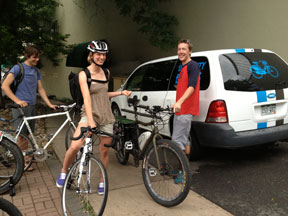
<point x="96" y="110"/>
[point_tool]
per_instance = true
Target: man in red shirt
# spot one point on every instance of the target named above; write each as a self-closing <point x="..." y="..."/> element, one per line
<point x="187" y="96"/>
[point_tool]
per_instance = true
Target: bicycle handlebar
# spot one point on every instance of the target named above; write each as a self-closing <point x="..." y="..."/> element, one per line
<point x="59" y="107"/>
<point x="154" y="110"/>
<point x="85" y="130"/>
<point x="66" y="107"/>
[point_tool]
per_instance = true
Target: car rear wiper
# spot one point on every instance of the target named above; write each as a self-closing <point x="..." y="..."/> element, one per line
<point x="282" y="84"/>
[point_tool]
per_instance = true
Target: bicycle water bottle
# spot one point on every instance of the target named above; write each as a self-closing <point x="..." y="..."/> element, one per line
<point x="143" y="138"/>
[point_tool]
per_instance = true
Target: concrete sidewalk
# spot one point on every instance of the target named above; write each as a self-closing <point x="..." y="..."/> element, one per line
<point x="127" y="193"/>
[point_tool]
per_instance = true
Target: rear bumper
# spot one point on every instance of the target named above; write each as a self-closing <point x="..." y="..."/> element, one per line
<point x="223" y="135"/>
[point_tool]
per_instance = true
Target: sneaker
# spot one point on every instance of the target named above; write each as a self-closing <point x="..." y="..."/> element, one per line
<point x="61" y="179"/>
<point x="101" y="188"/>
<point x="175" y="173"/>
<point x="179" y="179"/>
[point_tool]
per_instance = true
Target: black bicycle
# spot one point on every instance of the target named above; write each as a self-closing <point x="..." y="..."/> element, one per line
<point x="11" y="163"/>
<point x="165" y="167"/>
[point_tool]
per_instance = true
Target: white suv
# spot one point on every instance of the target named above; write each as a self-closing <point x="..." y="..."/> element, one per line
<point x="243" y="96"/>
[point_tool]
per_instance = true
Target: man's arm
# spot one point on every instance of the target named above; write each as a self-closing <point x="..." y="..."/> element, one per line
<point x="6" y="88"/>
<point x="177" y="106"/>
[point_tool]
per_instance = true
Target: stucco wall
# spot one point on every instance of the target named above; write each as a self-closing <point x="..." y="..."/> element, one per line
<point x="210" y="24"/>
<point x="218" y="24"/>
<point x="85" y="21"/>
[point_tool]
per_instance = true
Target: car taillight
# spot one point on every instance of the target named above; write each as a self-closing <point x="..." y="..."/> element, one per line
<point x="217" y="112"/>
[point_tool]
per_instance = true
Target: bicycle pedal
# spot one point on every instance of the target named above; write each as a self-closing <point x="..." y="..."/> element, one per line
<point x="50" y="152"/>
<point x="128" y="145"/>
<point x="152" y="172"/>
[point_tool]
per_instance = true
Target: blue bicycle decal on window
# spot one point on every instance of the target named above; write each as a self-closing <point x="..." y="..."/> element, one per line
<point x="261" y="68"/>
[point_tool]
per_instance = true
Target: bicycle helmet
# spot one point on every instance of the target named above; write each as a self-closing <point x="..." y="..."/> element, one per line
<point x="98" y="46"/>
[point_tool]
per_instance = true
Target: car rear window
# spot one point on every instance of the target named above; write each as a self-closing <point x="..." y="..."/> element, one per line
<point x="256" y="71"/>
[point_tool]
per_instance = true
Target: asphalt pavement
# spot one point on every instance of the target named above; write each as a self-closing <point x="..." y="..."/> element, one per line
<point x="245" y="182"/>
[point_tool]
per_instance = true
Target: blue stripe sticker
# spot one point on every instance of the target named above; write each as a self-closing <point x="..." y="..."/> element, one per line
<point x="240" y="50"/>
<point x="261" y="97"/>
<point x="261" y="125"/>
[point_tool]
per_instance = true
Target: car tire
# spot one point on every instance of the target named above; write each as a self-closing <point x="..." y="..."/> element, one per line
<point x="115" y="110"/>
<point x="196" y="150"/>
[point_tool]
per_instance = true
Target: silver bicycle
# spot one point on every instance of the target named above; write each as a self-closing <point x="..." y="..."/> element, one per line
<point x="32" y="151"/>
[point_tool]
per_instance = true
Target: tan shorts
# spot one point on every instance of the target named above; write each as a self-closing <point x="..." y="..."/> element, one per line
<point x="108" y="128"/>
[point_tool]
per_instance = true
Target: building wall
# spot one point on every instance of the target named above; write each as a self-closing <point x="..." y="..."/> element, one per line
<point x="86" y="21"/>
<point x="224" y="24"/>
<point x="210" y="24"/>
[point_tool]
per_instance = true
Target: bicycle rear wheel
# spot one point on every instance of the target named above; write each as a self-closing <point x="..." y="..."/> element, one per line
<point x="168" y="185"/>
<point x="69" y="133"/>
<point x="121" y="154"/>
<point x="8" y="208"/>
<point x="11" y="164"/>
<point x="84" y="200"/>
<point x="26" y="145"/>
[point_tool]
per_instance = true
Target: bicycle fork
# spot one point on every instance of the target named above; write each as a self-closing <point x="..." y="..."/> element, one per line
<point x="153" y="171"/>
<point x="83" y="162"/>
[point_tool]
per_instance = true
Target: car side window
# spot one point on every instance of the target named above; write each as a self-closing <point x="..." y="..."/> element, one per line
<point x="157" y="76"/>
<point x="204" y="73"/>
<point x="134" y="82"/>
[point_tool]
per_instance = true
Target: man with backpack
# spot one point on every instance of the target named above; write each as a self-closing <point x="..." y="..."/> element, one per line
<point x="26" y="81"/>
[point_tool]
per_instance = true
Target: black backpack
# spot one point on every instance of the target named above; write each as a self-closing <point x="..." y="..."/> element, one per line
<point x="74" y="85"/>
<point x="14" y="85"/>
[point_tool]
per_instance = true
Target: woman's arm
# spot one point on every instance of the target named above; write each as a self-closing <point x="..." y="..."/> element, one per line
<point x="118" y="93"/>
<point x="86" y="98"/>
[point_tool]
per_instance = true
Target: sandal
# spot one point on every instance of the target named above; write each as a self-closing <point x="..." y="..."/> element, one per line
<point x="30" y="169"/>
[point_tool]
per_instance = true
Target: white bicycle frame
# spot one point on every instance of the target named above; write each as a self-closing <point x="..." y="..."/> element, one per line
<point x="87" y="148"/>
<point x="25" y="121"/>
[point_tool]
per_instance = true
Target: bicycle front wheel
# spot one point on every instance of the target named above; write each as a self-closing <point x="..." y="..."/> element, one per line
<point x="82" y="198"/>
<point x="26" y="145"/>
<point x="273" y="71"/>
<point x="11" y="164"/>
<point x="169" y="182"/>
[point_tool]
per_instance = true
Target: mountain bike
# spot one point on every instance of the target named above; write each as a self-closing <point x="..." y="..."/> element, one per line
<point x="165" y="167"/>
<point x="33" y="151"/>
<point x="8" y="208"/>
<point x="83" y="177"/>
<point x="11" y="163"/>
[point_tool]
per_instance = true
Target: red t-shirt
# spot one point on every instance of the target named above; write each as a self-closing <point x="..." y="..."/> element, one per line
<point x="189" y="76"/>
